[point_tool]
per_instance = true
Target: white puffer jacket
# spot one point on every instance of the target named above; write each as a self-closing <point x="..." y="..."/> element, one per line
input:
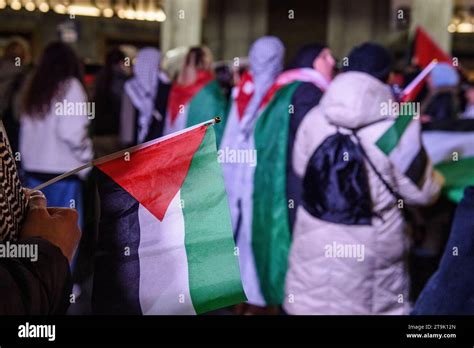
<point x="342" y="269"/>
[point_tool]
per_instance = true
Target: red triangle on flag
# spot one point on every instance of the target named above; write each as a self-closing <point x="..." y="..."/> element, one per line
<point x="154" y="174"/>
<point x="426" y="49"/>
<point x="244" y="94"/>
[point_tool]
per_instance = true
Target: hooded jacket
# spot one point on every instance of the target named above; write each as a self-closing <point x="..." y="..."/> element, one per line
<point x="345" y="269"/>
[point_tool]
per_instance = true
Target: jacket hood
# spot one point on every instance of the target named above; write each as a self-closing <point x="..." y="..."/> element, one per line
<point x="354" y="99"/>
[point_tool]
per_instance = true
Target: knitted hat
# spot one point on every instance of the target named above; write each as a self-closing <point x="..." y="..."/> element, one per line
<point x="372" y="59"/>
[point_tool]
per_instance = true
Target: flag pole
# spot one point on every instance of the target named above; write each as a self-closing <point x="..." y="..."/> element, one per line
<point x="121" y="153"/>
<point x="420" y="77"/>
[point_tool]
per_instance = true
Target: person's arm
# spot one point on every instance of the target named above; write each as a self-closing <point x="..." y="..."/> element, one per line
<point x="35" y="287"/>
<point x="40" y="284"/>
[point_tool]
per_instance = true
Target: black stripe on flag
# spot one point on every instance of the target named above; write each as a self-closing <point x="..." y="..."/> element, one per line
<point x="417" y="169"/>
<point x="466" y="125"/>
<point x="117" y="264"/>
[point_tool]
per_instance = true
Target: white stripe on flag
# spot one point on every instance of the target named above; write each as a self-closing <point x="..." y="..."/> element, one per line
<point x="248" y="269"/>
<point x="440" y="145"/>
<point x="164" y="280"/>
<point x="408" y="147"/>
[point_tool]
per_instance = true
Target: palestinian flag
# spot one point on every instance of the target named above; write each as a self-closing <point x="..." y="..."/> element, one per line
<point x="425" y="53"/>
<point x="401" y="142"/>
<point x="450" y="145"/>
<point x="414" y="88"/>
<point x="196" y="103"/>
<point x="165" y="239"/>
<point x="257" y="194"/>
<point x="271" y="236"/>
<point x="425" y="49"/>
<point x="239" y="179"/>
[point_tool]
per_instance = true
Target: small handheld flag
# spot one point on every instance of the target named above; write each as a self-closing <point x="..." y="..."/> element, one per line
<point x="165" y="241"/>
<point x="426" y="50"/>
<point x="414" y="87"/>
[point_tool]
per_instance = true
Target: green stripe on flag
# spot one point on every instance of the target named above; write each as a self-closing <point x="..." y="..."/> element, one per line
<point x="206" y="104"/>
<point x="458" y="175"/>
<point x="389" y="140"/>
<point x="271" y="229"/>
<point x="214" y="275"/>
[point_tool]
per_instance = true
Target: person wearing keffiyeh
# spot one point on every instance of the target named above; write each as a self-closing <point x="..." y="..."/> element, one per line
<point x="145" y="99"/>
<point x="248" y="101"/>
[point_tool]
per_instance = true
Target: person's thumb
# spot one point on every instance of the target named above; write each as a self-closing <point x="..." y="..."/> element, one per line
<point x="37" y="200"/>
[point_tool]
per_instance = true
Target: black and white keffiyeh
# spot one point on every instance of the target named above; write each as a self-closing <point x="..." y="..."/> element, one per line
<point x="12" y="195"/>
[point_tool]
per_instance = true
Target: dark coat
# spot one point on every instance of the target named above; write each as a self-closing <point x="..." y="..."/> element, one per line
<point x="451" y="289"/>
<point x="442" y="105"/>
<point x="161" y="104"/>
<point x="35" y="288"/>
<point x="108" y="103"/>
<point x="156" y="127"/>
<point x="306" y="97"/>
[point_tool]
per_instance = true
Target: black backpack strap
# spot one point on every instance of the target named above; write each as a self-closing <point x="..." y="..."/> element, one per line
<point x="385" y="183"/>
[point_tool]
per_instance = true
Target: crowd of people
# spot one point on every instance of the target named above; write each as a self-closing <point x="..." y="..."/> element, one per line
<point x="319" y="219"/>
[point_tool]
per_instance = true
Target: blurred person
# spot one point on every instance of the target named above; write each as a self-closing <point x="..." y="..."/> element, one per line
<point x="144" y="103"/>
<point x="274" y="191"/>
<point x="272" y="136"/>
<point x="469" y="108"/>
<point x="314" y="65"/>
<point x="14" y="67"/>
<point x="442" y="102"/>
<point x="248" y="100"/>
<point x="350" y="242"/>
<point x="451" y="288"/>
<point x="54" y="127"/>
<point x="195" y="96"/>
<point x="225" y="78"/>
<point x="108" y="99"/>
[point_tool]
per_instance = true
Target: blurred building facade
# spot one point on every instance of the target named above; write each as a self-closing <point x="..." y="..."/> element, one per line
<point x="229" y="27"/>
